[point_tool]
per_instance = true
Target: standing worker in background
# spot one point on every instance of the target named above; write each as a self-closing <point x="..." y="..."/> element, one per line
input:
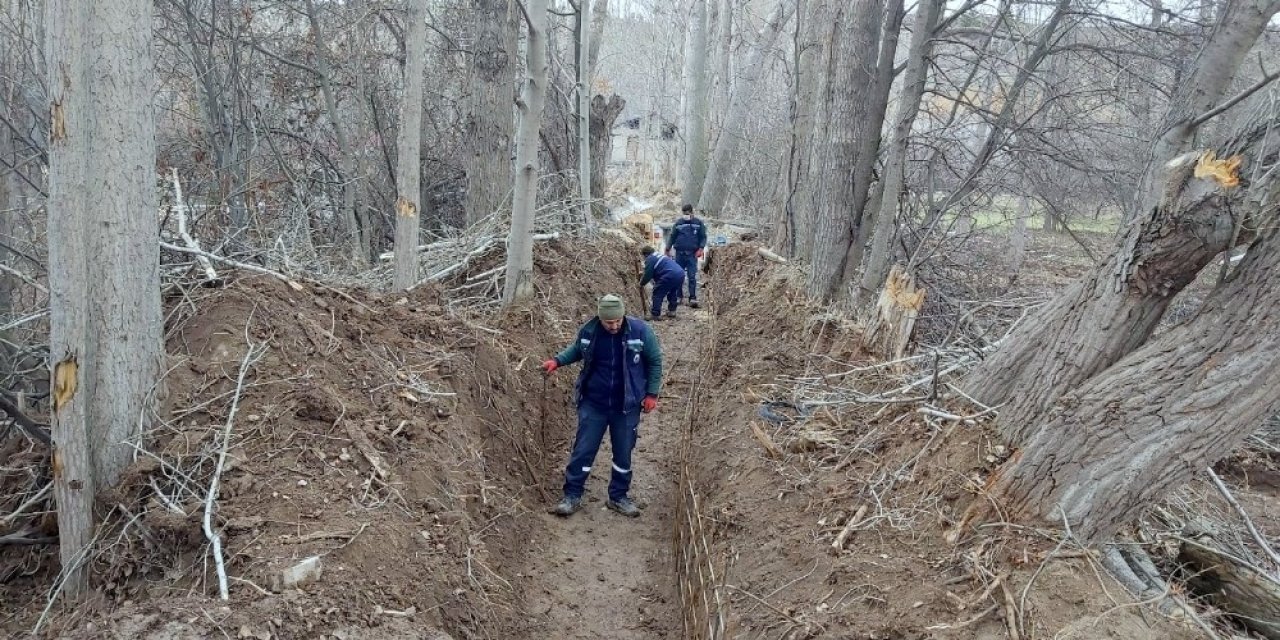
<point x="668" y="280"/>
<point x="688" y="239"/>
<point x="621" y="377"/>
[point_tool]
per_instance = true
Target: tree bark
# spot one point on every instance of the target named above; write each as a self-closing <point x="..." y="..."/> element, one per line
<point x="491" y="119"/>
<point x="347" y="216"/>
<point x="715" y="188"/>
<point x="807" y="107"/>
<point x="599" y="18"/>
<point x="519" y="282"/>
<point x="104" y="263"/>
<point x="1147" y="424"/>
<point x="1242" y="591"/>
<point x="894" y="177"/>
<point x="408" y="171"/>
<point x="603" y="114"/>
<point x="869" y="147"/>
<point x="584" y="110"/>
<point x="1235" y="33"/>
<point x="854" y="40"/>
<point x="694" y="167"/>
<point x="1111" y="312"/>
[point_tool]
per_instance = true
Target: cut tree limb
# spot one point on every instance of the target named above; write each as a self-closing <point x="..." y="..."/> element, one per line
<point x="1249" y="596"/>
<point x="180" y="208"/>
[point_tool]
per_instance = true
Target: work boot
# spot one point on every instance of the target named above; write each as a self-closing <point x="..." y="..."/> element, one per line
<point x="568" y="506"/>
<point x="693" y="303"/>
<point x="624" y="506"/>
<point x="671" y="315"/>
<point x="655" y="318"/>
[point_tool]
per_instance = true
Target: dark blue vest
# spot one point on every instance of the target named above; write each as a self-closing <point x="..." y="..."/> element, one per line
<point x="634" y="378"/>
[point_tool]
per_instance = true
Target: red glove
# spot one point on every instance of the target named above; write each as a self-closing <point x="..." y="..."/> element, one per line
<point x="549" y="366"/>
<point x="649" y="404"/>
<point x="698" y="254"/>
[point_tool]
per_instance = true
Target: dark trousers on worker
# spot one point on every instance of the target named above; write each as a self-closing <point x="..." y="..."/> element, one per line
<point x="689" y="262"/>
<point x="592" y="422"/>
<point x="666" y="289"/>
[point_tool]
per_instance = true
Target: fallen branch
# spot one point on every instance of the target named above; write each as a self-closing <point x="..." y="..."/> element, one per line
<point x="251" y="356"/>
<point x="229" y="262"/>
<point x="849" y="527"/>
<point x="180" y="208"/>
<point x="38" y="431"/>
<point x="1248" y="522"/>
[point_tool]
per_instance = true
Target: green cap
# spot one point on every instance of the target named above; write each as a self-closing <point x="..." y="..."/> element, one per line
<point x="611" y="308"/>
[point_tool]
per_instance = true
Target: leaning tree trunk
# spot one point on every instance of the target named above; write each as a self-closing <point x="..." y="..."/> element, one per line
<point x="895" y="164"/>
<point x="1242" y="22"/>
<point x="519" y="284"/>
<point x="854" y="36"/>
<point x="694" y="167"/>
<point x="715" y="188"/>
<point x="490" y="120"/>
<point x="410" y="149"/>
<point x="1147" y="424"/>
<point x="104" y="263"/>
<point x="1114" y="310"/>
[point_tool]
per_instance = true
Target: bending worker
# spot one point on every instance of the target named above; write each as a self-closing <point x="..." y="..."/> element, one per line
<point x="621" y="377"/>
<point x="688" y="239"/>
<point x="668" y="279"/>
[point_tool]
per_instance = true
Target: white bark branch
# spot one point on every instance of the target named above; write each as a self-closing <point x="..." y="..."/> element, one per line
<point x="180" y="208"/>
<point x="252" y="354"/>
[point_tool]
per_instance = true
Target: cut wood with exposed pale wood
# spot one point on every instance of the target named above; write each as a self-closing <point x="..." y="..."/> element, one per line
<point x="408" y="169"/>
<point x="104" y="269"/>
<point x="1248" y="595"/>
<point x="1145" y="425"/>
<point x="1116" y="307"/>
<point x="894" y="320"/>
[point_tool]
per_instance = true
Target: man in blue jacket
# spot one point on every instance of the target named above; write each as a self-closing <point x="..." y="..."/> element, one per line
<point x="621" y="377"/>
<point x="667" y="278"/>
<point x="688" y="239"/>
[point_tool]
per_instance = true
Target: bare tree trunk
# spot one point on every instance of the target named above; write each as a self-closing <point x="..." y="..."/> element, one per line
<point x="347" y="216"/>
<point x="104" y="264"/>
<point x="719" y="71"/>
<point x="694" y="168"/>
<point x="807" y="107"/>
<point x="584" y="109"/>
<point x="1148" y="423"/>
<point x="869" y="146"/>
<point x="715" y="188"/>
<point x="491" y="120"/>
<point x="1114" y="310"/>
<point x="519" y="283"/>
<point x="599" y="18"/>
<point x="603" y="114"/>
<point x="1215" y="66"/>
<point x="854" y="40"/>
<point x="894" y="177"/>
<point x="408" y="170"/>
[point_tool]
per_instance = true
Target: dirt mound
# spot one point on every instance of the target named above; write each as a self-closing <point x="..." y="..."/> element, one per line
<point x="400" y="443"/>
<point x="795" y="452"/>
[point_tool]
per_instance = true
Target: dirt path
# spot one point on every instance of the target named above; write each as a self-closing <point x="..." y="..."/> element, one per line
<point x="607" y="576"/>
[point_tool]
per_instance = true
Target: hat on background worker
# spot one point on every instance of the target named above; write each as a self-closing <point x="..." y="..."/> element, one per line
<point x="611" y="308"/>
